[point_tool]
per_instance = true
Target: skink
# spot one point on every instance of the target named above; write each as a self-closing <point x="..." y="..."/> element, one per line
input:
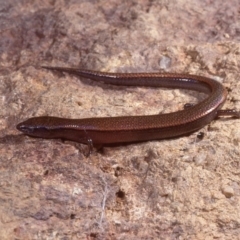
<point x="112" y="130"/>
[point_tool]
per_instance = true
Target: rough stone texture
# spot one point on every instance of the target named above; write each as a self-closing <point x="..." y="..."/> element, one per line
<point x="175" y="189"/>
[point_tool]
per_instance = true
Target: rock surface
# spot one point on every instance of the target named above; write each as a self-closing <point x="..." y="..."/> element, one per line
<point x="183" y="188"/>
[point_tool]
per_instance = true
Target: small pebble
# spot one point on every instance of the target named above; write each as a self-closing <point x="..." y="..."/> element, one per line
<point x="228" y="191"/>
